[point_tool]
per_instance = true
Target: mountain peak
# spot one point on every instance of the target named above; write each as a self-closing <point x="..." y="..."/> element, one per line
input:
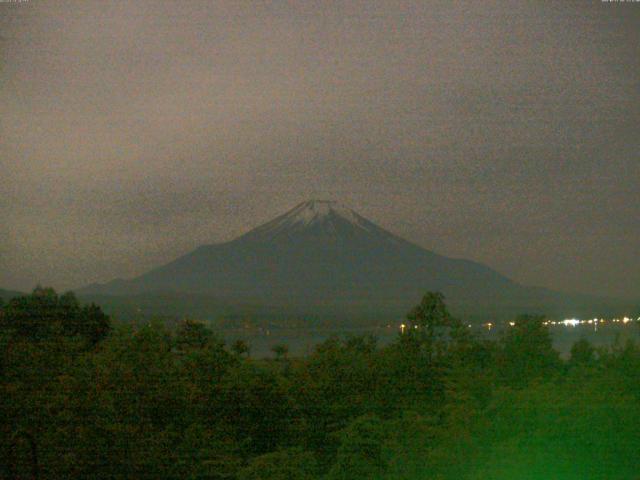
<point x="326" y="214"/>
<point x="315" y="210"/>
<point x="322" y="254"/>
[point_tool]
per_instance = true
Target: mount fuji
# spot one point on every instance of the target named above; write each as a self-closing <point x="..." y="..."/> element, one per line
<point x="323" y="255"/>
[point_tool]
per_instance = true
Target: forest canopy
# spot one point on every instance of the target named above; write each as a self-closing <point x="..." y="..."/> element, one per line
<point x="82" y="396"/>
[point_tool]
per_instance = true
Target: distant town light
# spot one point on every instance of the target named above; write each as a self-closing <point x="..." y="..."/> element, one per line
<point x="571" y="322"/>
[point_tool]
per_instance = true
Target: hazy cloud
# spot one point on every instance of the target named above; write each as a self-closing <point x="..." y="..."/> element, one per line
<point x="505" y="132"/>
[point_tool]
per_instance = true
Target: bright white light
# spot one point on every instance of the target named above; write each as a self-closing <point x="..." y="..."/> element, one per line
<point x="571" y="322"/>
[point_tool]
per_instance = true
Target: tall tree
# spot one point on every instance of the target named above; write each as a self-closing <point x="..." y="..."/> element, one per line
<point x="44" y="314"/>
<point x="527" y="351"/>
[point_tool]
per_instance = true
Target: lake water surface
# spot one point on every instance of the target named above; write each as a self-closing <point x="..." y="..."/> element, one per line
<point x="303" y="342"/>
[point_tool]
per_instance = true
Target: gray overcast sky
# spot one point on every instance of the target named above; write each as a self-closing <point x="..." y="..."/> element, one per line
<point x="503" y="132"/>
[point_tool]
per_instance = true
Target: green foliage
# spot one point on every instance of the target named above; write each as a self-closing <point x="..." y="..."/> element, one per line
<point x="192" y="335"/>
<point x="240" y="348"/>
<point x="44" y="314"/>
<point x="551" y="430"/>
<point x="361" y="450"/>
<point x="336" y="384"/>
<point x="582" y="353"/>
<point x="79" y="399"/>
<point x="288" y="464"/>
<point x="527" y="352"/>
<point x="429" y="320"/>
<point x="254" y="399"/>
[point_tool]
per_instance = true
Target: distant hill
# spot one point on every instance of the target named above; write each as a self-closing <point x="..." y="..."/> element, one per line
<point x="9" y="294"/>
<point x="324" y="257"/>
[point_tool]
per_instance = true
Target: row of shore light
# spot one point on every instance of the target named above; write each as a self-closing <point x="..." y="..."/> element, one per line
<point x="568" y="322"/>
<point x="574" y="322"/>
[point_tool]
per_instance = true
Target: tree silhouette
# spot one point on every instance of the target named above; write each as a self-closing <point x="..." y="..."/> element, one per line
<point x="240" y="348"/>
<point x="280" y="351"/>
<point x="582" y="353"/>
<point x="44" y="314"/>
<point x="191" y="334"/>
<point x="527" y="351"/>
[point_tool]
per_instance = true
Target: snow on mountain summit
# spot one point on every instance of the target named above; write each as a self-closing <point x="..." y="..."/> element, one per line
<point x="323" y="213"/>
<point x="317" y="210"/>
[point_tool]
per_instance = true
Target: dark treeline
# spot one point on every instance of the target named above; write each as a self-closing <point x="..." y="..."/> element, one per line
<point x="83" y="398"/>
